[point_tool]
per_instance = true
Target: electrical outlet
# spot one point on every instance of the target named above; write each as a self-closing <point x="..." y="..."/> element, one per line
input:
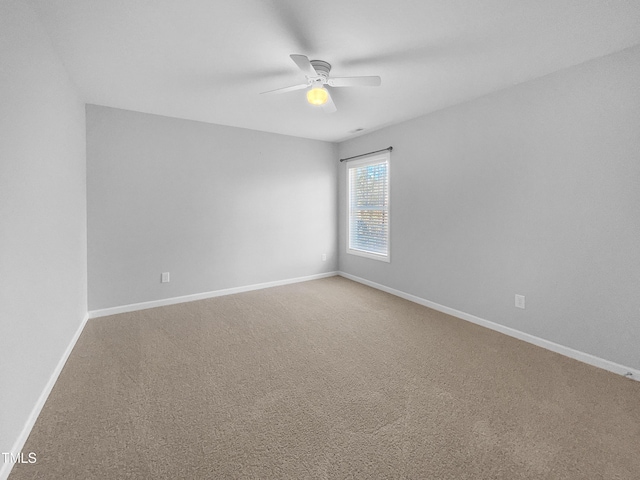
<point x="165" y="277"/>
<point x="324" y="257"/>
<point x="520" y="301"/>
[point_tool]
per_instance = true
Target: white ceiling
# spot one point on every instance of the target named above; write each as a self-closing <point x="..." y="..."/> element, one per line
<point x="208" y="60"/>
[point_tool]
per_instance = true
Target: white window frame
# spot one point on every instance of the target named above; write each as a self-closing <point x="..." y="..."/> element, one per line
<point x="370" y="160"/>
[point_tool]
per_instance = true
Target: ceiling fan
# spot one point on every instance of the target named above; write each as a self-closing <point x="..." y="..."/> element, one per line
<point x="317" y="75"/>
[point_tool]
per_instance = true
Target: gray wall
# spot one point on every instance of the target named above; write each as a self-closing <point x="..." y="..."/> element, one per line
<point x="533" y="190"/>
<point x="217" y="207"/>
<point x="43" y="278"/>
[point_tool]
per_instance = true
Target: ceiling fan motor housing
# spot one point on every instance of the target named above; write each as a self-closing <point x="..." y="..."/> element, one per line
<point x="322" y="68"/>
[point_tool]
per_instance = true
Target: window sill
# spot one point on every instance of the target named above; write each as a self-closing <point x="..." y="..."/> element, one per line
<point x="374" y="256"/>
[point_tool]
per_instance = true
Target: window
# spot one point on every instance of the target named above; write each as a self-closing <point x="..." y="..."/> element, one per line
<point x="368" y="216"/>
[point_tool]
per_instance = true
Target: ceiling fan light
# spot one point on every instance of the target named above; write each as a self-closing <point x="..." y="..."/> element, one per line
<point x="317" y="96"/>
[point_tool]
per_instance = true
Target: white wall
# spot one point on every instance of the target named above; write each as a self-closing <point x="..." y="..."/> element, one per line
<point x="532" y="190"/>
<point x="42" y="215"/>
<point x="217" y="207"/>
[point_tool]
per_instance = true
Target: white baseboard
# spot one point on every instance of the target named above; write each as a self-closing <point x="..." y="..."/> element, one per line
<point x="201" y="296"/>
<point x="6" y="467"/>
<point x="628" y="372"/>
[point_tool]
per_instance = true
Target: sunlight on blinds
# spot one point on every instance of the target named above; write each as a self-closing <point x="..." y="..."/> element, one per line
<point x="369" y="207"/>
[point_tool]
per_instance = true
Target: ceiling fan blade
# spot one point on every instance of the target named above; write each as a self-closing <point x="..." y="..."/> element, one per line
<point x="286" y="89"/>
<point x="303" y="63"/>
<point x="354" y="81"/>
<point x="288" y="16"/>
<point x="329" y="106"/>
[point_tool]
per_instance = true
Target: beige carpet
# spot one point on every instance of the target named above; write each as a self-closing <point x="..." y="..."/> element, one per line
<point x="326" y="379"/>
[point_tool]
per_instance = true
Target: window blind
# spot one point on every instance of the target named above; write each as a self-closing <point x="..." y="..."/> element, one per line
<point x="369" y="206"/>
